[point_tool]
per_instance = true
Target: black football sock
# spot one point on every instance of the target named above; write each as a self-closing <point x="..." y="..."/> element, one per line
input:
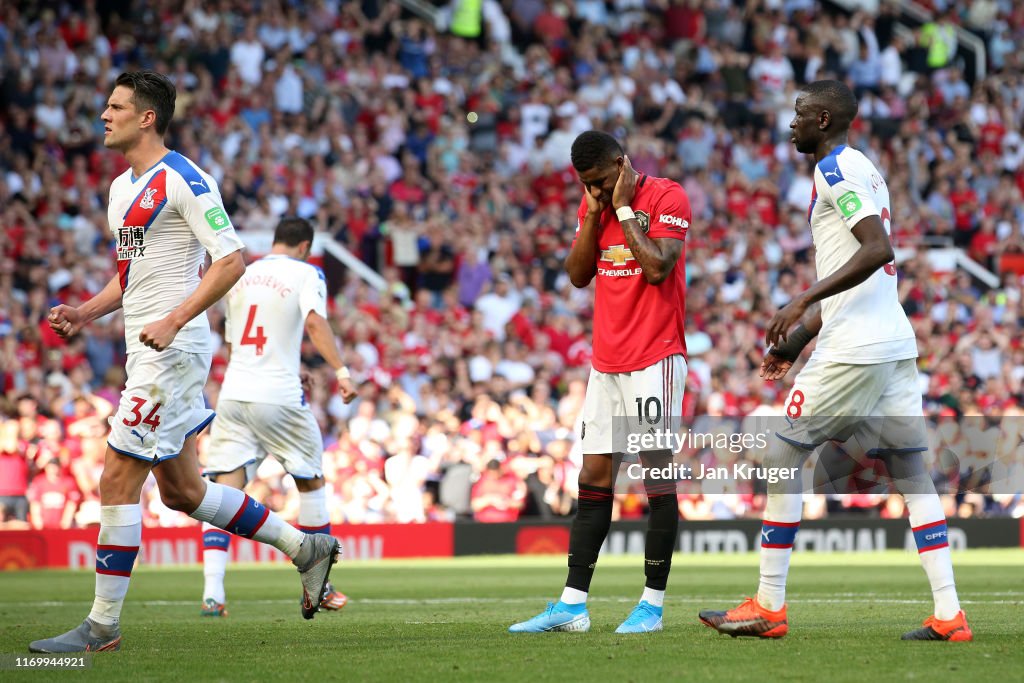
<point x="662" y="531"/>
<point x="589" y="529"/>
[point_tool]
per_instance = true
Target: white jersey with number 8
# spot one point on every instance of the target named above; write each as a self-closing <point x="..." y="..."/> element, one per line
<point x="865" y="324"/>
<point x="266" y="318"/>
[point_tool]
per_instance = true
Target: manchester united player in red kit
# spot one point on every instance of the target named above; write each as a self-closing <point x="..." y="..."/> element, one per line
<point x="630" y="237"/>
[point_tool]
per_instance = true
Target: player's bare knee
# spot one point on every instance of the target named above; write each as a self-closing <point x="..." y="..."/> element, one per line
<point x="596" y="472"/>
<point x="308" y="485"/>
<point x="182" y="498"/>
<point x="121" y="482"/>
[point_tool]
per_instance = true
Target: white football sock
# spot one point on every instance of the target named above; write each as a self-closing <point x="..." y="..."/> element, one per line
<point x="313" y="514"/>
<point x="778" y="532"/>
<point x="930" y="532"/>
<point x="781" y="521"/>
<point x="232" y="510"/>
<point x="573" y="596"/>
<point x="117" y="546"/>
<point x="654" y="597"/>
<point x="215" y="561"/>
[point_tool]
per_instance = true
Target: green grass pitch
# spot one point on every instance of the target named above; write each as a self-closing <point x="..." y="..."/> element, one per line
<point x="446" y="620"/>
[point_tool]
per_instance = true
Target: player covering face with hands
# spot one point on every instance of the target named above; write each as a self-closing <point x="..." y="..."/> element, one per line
<point x="863" y="369"/>
<point x="629" y="237"/>
<point x="165" y="215"/>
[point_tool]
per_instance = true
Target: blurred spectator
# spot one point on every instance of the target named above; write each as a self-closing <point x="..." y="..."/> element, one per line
<point x="497" y="496"/>
<point x="14" y="471"/>
<point x="53" y="497"/>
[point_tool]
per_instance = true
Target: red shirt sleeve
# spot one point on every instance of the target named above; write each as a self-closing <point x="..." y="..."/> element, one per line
<point x="671" y="214"/>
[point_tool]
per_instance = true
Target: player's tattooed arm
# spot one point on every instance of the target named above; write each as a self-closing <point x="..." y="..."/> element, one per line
<point x="657" y="257"/>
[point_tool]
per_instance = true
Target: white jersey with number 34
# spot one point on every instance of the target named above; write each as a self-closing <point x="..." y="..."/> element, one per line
<point x="266" y="317"/>
<point x="865" y="324"/>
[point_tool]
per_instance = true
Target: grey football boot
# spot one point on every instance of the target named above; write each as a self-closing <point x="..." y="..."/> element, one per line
<point x="88" y="637"/>
<point x="315" y="569"/>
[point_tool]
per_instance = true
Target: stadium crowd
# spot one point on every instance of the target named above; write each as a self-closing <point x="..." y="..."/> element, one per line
<point x="442" y="160"/>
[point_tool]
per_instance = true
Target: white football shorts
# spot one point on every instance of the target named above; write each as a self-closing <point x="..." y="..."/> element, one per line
<point x="879" y="404"/>
<point x="245" y="433"/>
<point x="619" y="404"/>
<point x="162" y="404"/>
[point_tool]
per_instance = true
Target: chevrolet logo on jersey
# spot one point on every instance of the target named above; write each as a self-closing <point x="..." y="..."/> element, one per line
<point x="617" y="255"/>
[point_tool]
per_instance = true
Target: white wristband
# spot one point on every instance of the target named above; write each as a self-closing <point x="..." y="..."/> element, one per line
<point x="342" y="373"/>
<point x="624" y="213"/>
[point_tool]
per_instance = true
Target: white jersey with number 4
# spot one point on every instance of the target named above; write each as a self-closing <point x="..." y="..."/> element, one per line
<point x="865" y="324"/>
<point x="266" y="317"/>
<point x="163" y="223"/>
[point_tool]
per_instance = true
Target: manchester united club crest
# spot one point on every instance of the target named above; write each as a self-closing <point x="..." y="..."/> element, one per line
<point x="644" y="220"/>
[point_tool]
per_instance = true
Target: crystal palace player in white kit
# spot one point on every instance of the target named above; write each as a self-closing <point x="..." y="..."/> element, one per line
<point x="165" y="215"/>
<point x="262" y="409"/>
<point x="863" y="369"/>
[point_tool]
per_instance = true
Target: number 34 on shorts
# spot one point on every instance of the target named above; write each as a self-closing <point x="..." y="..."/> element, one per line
<point x="161" y="405"/>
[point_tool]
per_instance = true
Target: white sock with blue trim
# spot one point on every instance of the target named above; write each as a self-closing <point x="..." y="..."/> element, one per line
<point x="215" y="562"/>
<point x="232" y="510"/>
<point x="928" y="523"/>
<point x="778" y="533"/>
<point x="781" y="521"/>
<point x="117" y="546"/>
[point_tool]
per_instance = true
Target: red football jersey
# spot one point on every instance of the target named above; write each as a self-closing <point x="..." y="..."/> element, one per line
<point x="636" y="324"/>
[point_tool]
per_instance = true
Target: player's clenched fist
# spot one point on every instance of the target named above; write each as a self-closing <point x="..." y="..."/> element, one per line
<point x="159" y="335"/>
<point x="347" y="390"/>
<point x="65" y="320"/>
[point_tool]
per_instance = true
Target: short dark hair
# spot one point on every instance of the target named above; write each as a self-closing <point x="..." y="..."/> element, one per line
<point x="151" y="91"/>
<point x="293" y="231"/>
<point x="835" y="96"/>
<point x="594" y="148"/>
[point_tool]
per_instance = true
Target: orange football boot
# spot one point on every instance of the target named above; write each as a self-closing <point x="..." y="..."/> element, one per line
<point x="955" y="629"/>
<point x="748" y="619"/>
<point x="333" y="599"/>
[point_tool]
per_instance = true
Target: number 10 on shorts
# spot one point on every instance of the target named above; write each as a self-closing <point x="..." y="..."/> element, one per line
<point x="649" y="410"/>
